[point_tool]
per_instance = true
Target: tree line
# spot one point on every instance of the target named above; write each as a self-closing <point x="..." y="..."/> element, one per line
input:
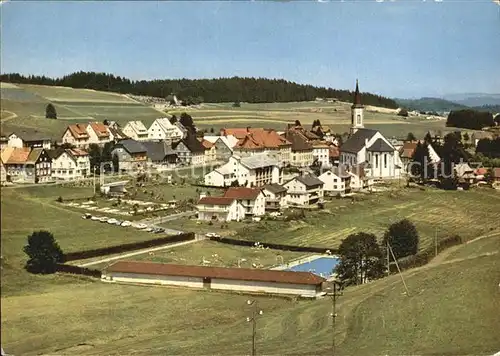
<point x="216" y="90"/>
<point x="471" y="119"/>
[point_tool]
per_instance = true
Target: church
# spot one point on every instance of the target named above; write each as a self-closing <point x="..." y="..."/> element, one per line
<point x="368" y="149"/>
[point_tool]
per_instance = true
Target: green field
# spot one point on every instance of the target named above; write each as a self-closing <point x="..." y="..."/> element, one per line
<point x="432" y="210"/>
<point x="81" y="105"/>
<point x="220" y="255"/>
<point x="453" y="308"/>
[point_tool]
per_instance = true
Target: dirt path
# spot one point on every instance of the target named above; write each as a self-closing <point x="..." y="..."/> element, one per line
<point x="12" y="115"/>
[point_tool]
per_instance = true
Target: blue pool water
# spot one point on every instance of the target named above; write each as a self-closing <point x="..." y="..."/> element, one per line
<point x="322" y="266"/>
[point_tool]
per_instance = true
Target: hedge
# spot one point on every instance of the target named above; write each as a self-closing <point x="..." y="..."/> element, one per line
<point x="273" y="246"/>
<point x="80" y="255"/>
<point x="78" y="270"/>
<point x="425" y="256"/>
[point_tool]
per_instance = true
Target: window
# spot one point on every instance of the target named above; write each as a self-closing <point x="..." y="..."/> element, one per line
<point x="376" y="161"/>
<point x="385" y="160"/>
<point x="358" y="119"/>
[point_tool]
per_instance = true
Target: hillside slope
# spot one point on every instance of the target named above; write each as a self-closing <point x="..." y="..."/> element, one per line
<point x="429" y="104"/>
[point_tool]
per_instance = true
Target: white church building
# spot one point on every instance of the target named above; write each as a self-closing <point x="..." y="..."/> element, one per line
<point x="369" y="147"/>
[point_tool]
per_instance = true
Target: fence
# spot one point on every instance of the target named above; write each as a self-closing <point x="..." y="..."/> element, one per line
<point x="78" y="270"/>
<point x="274" y="246"/>
<point x="80" y="255"/>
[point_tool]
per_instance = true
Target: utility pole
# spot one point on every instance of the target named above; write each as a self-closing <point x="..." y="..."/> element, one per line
<point x="336" y="289"/>
<point x="399" y="270"/>
<point x="94" y="179"/>
<point x="253" y="319"/>
<point x="388" y="260"/>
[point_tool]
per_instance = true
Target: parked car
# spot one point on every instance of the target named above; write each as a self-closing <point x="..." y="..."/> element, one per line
<point x="149" y="229"/>
<point x="112" y="221"/>
<point x="158" y="230"/>
<point x="126" y="223"/>
<point x="212" y="234"/>
<point x="86" y="216"/>
<point x="95" y="218"/>
<point x="118" y="222"/>
<point x="103" y="219"/>
<point x="140" y="226"/>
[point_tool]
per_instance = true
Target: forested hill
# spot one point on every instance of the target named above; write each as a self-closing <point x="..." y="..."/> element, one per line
<point x="252" y="90"/>
<point x="429" y="104"/>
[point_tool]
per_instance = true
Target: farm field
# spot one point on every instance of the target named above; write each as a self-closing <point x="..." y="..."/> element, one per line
<point x="375" y="318"/>
<point x="433" y="211"/>
<point x="81" y="105"/>
<point x="220" y="255"/>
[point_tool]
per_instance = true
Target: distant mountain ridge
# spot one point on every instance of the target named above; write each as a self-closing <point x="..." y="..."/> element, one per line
<point x="474" y="99"/>
<point x="429" y="104"/>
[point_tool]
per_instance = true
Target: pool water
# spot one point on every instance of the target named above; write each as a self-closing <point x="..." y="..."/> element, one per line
<point x="321" y="266"/>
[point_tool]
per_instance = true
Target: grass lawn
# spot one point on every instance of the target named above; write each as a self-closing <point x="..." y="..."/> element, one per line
<point x="29" y="209"/>
<point x="467" y="213"/>
<point x="485" y="245"/>
<point x="52" y="93"/>
<point x="220" y="255"/>
<point x="453" y="309"/>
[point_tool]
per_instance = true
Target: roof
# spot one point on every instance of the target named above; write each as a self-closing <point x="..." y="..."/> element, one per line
<point x="229" y="140"/>
<point x="356" y="103"/>
<point x="34" y="154"/>
<point x="480" y="171"/>
<point x="340" y="172"/>
<point x="157" y="151"/>
<point x="206" y="143"/>
<point x="100" y="129"/>
<point x="250" y="138"/>
<point x="19" y="155"/>
<point x="258" y="161"/>
<point x="274" y="188"/>
<point x="216" y="201"/>
<point x="408" y="149"/>
<point x="137" y="126"/>
<point x="117" y="132"/>
<point x="77" y="152"/>
<point x="356" y="142"/>
<point x="78" y="131"/>
<point x="164" y="123"/>
<point x="298" y="140"/>
<point x="132" y="146"/>
<point x="242" y="274"/>
<point x="5" y="154"/>
<point x="30" y="135"/>
<point x="309" y="180"/>
<point x="192" y="143"/>
<point x="242" y="193"/>
<point x="380" y="146"/>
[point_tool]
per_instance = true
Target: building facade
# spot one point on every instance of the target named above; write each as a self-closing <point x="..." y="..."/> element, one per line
<point x="304" y="190"/>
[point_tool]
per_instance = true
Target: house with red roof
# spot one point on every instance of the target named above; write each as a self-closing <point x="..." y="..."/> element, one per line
<point x="70" y="164"/>
<point x="236" y="204"/>
<point x="82" y="135"/>
<point x="253" y="141"/>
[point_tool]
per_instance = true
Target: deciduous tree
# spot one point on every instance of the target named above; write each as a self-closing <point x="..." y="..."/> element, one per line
<point x="403" y="238"/>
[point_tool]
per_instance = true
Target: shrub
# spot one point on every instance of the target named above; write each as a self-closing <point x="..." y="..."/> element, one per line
<point x="59" y="200"/>
<point x="44" y="253"/>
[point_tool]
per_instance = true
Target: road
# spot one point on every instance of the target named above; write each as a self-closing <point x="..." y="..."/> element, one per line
<point x="141" y="252"/>
<point x="154" y="222"/>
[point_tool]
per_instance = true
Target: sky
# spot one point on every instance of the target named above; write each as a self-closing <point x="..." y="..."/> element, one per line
<point x="399" y="48"/>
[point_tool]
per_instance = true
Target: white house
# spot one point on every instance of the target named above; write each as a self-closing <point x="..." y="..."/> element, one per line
<point x="321" y="153"/>
<point x="304" y="284"/>
<point x="237" y="204"/>
<point x="275" y="197"/>
<point x="32" y="139"/>
<point x="369" y="146"/>
<point x="257" y="170"/>
<point x="70" y="164"/>
<point x="82" y="135"/>
<point x="136" y="130"/>
<point x="337" y="180"/>
<point x="304" y="190"/>
<point x="162" y="129"/>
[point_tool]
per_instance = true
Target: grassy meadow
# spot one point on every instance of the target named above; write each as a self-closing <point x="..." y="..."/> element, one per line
<point x="466" y="213"/>
<point x="82" y="105"/>
<point x="453" y="308"/>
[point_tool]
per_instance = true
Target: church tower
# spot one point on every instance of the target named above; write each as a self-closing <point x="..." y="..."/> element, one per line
<point x="357" y="112"/>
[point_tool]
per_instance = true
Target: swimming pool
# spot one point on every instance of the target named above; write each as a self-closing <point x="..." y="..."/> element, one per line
<point x="321" y="266"/>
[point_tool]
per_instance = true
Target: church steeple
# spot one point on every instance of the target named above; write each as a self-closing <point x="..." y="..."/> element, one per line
<point x="357" y="111"/>
<point x="357" y="97"/>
